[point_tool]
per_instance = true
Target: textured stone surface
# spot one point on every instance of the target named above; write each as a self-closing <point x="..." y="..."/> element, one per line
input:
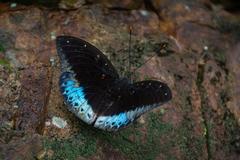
<point x="200" y="62"/>
<point x="21" y="147"/>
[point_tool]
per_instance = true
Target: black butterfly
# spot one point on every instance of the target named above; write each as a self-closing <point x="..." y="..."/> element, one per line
<point x="96" y="94"/>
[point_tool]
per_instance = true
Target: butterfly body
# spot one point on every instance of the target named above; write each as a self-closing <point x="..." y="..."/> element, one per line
<point x="94" y="92"/>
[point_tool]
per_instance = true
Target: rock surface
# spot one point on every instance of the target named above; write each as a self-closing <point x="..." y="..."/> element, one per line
<point x="194" y="48"/>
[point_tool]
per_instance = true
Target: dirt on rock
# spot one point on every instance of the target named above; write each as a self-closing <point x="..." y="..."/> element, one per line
<point x="193" y="46"/>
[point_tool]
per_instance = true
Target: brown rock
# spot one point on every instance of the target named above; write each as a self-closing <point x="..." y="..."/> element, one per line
<point x="125" y="4"/>
<point x="33" y="99"/>
<point x="199" y="113"/>
<point x="26" y="147"/>
<point x="233" y="63"/>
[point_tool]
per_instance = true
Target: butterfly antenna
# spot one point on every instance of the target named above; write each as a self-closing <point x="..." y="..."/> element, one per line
<point x="143" y="63"/>
<point x="163" y="46"/>
<point x="129" y="53"/>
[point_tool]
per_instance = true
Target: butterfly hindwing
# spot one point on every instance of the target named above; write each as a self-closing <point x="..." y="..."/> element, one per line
<point x="131" y="101"/>
<point x="75" y="98"/>
<point x="94" y="92"/>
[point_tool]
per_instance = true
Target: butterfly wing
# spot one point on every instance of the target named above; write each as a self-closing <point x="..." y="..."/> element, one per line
<point x="86" y="74"/>
<point x="90" y="65"/>
<point x="93" y="90"/>
<point x="129" y="101"/>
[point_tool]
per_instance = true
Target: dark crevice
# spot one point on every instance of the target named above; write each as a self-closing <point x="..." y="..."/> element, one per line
<point x="204" y="107"/>
<point x="45" y="3"/>
<point x="41" y="126"/>
<point x="119" y="9"/>
<point x="49" y="69"/>
<point x="149" y="6"/>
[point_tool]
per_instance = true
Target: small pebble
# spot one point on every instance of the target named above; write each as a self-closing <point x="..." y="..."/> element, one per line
<point x="162" y="110"/>
<point x="52" y="61"/>
<point x="205" y="48"/>
<point x="66" y="22"/>
<point x="141" y="120"/>
<point x="53" y="35"/>
<point x="144" y="13"/>
<point x="59" y="122"/>
<point x="47" y="123"/>
<point x="15" y="106"/>
<point x="41" y="154"/>
<point x="187" y="8"/>
<point x="13" y="5"/>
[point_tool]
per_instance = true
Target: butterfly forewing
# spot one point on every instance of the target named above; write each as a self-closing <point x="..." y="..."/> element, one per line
<point x="89" y="64"/>
<point x="94" y="91"/>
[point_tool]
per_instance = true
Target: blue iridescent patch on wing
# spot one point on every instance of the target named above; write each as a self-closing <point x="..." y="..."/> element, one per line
<point x="111" y="123"/>
<point x="114" y="122"/>
<point x="75" y="98"/>
<point x="77" y="103"/>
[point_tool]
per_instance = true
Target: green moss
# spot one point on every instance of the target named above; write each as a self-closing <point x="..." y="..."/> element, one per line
<point x="2" y="49"/>
<point x="205" y="110"/>
<point x="220" y="57"/>
<point x="120" y="141"/>
<point x="232" y="129"/>
<point x="190" y="144"/>
<point x="79" y="145"/>
<point x="133" y="143"/>
<point x="138" y="148"/>
<point x="159" y="138"/>
<point x="5" y="63"/>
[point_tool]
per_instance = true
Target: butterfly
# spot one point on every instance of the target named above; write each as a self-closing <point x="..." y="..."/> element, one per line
<point x="94" y="91"/>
